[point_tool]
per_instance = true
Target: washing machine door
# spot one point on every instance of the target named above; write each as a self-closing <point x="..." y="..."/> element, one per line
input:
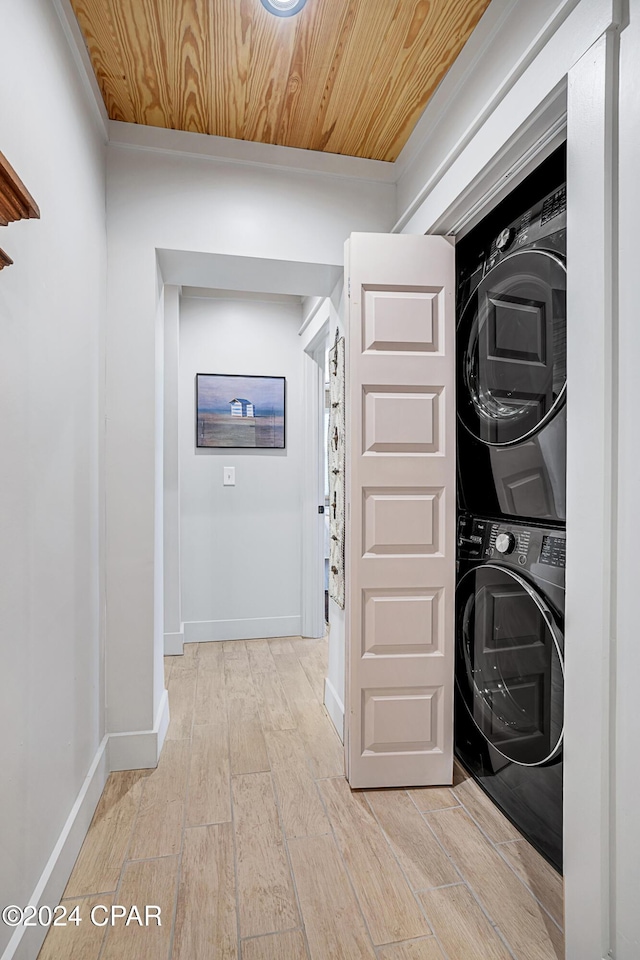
<point x="509" y="670"/>
<point x="512" y="335"/>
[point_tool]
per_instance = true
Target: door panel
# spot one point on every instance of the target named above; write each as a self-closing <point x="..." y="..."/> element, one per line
<point x="401" y="500"/>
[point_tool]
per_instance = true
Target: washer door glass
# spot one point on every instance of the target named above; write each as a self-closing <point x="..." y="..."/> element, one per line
<point x="509" y="672"/>
<point x="513" y="333"/>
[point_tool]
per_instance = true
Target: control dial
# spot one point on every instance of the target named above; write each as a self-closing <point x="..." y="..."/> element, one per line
<point x="505" y="543"/>
<point x="505" y="239"/>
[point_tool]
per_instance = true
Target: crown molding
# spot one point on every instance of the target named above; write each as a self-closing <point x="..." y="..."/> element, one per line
<point x="226" y="150"/>
<point x="83" y="64"/>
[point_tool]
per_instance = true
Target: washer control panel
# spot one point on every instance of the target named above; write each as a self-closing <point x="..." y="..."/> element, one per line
<point x="539" y="550"/>
<point x="554" y="551"/>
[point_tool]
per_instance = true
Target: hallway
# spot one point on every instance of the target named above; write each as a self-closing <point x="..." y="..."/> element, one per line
<point x="251" y="843"/>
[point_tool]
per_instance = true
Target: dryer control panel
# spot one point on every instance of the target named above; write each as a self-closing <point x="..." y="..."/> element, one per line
<point x="537" y="550"/>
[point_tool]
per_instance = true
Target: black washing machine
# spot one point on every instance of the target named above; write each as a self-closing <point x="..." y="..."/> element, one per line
<point x="510" y="671"/>
<point x="511" y="355"/>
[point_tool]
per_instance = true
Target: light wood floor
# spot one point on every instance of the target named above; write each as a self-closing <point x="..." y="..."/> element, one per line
<point x="251" y="842"/>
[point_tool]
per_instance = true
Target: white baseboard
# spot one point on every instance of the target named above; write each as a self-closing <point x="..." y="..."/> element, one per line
<point x="26" y="941"/>
<point x="118" y="751"/>
<point x="141" y="748"/>
<point x="335" y="707"/>
<point x="174" y="644"/>
<point x="205" y="631"/>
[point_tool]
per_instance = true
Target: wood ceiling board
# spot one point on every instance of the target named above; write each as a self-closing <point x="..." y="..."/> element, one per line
<point x="343" y="76"/>
<point x="98" y="27"/>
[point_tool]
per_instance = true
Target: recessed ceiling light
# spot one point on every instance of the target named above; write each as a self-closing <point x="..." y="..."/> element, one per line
<point x="283" y="8"/>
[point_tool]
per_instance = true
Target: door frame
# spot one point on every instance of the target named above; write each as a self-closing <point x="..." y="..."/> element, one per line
<point x="315" y="337"/>
<point x="572" y="85"/>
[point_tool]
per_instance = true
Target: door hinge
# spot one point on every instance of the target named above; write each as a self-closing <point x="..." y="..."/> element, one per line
<point x="349" y="288"/>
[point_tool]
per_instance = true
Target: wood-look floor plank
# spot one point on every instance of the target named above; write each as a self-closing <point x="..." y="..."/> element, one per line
<point x="276" y="946"/>
<point x="272" y="703"/>
<point x="210" y="700"/>
<point x="530" y="932"/>
<point x="433" y="798"/>
<point x="247" y="749"/>
<point x="332" y="918"/>
<point x="206" y="923"/>
<point x="168" y="663"/>
<point x="293" y="678"/>
<point x="266" y="898"/>
<point x="208" y="794"/>
<point x="538" y="875"/>
<point x="300" y="805"/>
<point x="281" y="645"/>
<point x="315" y="675"/>
<point x="234" y="650"/>
<point x="426" y="949"/>
<point x="182" y="691"/>
<point x="158" y="829"/>
<point x="145" y="882"/>
<point x="316" y="671"/>
<point x="485" y="813"/>
<point x="101" y="858"/>
<point x="313" y="656"/>
<point x="212" y="653"/>
<point x="420" y="855"/>
<point x="81" y="941"/>
<point x="237" y="671"/>
<point x="461" y="926"/>
<point x="387" y="901"/>
<point x="322" y="744"/>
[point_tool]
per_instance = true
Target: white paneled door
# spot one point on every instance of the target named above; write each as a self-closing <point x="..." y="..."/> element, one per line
<point x="401" y="509"/>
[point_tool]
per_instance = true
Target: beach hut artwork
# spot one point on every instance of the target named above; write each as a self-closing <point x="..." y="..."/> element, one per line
<point x="240" y="411"/>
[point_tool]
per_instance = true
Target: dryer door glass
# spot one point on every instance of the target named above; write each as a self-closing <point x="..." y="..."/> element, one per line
<point x="513" y="336"/>
<point x="510" y="672"/>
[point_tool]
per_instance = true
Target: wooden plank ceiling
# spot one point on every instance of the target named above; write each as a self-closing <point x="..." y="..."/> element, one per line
<point x="343" y="76"/>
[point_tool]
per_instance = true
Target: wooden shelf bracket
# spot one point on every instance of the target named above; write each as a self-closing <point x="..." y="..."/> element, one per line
<point x="16" y="203"/>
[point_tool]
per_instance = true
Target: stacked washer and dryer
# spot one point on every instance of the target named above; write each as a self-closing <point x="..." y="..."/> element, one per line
<point x="511" y="385"/>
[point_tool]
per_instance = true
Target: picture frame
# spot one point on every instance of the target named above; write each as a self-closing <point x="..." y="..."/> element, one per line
<point x="240" y="411"/>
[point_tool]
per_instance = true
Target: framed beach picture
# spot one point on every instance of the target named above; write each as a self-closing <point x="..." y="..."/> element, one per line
<point x="239" y="411"/>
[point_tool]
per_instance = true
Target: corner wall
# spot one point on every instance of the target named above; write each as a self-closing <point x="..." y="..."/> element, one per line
<point x="52" y="303"/>
<point x="241" y="545"/>
<point x="158" y="199"/>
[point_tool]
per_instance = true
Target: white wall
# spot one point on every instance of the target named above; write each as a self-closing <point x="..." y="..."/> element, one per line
<point x="51" y="314"/>
<point x="163" y="200"/>
<point x="240" y="545"/>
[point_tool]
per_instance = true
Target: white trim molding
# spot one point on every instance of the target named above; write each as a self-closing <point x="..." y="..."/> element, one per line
<point x="174" y="644"/>
<point x="335" y="707"/>
<point x="140" y="749"/>
<point x="207" y="631"/>
<point x="591" y="472"/>
<point x="26" y="941"/>
<point x="515" y="121"/>
<point x="313" y="523"/>
<point x="117" y="751"/>
<point x="134" y="136"/>
<point x="82" y="60"/>
<point x="625" y="822"/>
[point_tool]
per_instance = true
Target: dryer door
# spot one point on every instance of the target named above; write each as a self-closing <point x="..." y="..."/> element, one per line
<point x="512" y="335"/>
<point x="510" y="671"/>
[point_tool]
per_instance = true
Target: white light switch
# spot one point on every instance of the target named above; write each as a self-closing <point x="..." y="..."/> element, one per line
<point x="229" y="476"/>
